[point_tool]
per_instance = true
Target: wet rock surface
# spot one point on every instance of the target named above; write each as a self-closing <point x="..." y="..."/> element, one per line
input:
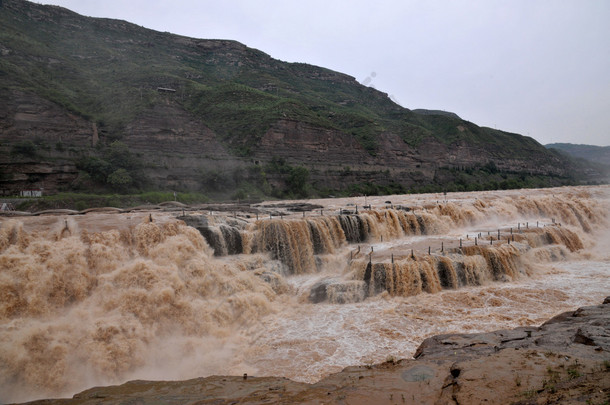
<point x="565" y="360"/>
<point x="338" y="291"/>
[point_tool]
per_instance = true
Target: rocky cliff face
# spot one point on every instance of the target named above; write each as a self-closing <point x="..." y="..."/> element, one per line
<point x="178" y="147"/>
<point x="186" y="107"/>
<point x="331" y="152"/>
<point x="55" y="134"/>
<point x="297" y="142"/>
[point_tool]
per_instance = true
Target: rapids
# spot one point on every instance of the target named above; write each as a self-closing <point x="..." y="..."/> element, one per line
<point x="103" y="298"/>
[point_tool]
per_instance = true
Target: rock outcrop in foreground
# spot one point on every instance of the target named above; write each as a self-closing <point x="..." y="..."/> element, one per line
<point x="566" y="360"/>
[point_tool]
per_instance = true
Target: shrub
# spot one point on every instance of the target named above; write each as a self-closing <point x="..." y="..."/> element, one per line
<point x="119" y="156"/>
<point x="98" y="169"/>
<point x="120" y="179"/>
<point x="297" y="181"/>
<point x="240" y="194"/>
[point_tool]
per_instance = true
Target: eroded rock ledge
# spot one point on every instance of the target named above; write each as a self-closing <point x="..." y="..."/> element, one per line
<point x="566" y="360"/>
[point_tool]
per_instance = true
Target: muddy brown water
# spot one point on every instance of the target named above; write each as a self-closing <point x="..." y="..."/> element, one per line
<point x="104" y="298"/>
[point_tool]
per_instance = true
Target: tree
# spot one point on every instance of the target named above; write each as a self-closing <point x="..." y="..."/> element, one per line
<point x="119" y="156"/>
<point x="297" y="180"/>
<point x="98" y="169"/>
<point x="120" y="179"/>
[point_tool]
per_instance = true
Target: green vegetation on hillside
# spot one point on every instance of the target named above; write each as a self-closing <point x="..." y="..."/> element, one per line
<point x="113" y="73"/>
<point x="109" y="71"/>
<point x="117" y="168"/>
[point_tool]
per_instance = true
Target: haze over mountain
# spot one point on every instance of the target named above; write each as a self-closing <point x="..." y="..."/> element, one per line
<point x="593" y="153"/>
<point x="100" y="104"/>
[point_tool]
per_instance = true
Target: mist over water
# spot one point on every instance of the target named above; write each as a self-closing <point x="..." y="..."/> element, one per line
<point x="94" y="300"/>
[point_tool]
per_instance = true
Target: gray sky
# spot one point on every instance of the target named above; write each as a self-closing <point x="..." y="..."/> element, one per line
<point x="539" y="68"/>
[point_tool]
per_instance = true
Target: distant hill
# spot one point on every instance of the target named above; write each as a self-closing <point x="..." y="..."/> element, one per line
<point x="592" y="160"/>
<point x="593" y="153"/>
<point x="101" y="105"/>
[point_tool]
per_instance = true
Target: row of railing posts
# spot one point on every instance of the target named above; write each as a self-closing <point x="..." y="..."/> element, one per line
<point x="510" y="238"/>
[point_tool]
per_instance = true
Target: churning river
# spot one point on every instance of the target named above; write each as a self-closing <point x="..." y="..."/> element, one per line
<point x="106" y="297"/>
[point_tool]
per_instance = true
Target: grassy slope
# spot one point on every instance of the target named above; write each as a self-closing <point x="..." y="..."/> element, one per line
<point x="108" y="71"/>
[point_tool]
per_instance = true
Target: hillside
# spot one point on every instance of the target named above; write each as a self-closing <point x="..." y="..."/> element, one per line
<point x="593" y="160"/>
<point x="95" y="104"/>
<point x="593" y="153"/>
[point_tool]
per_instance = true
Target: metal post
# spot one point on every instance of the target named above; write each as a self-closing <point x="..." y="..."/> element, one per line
<point x="475" y="241"/>
<point x="460" y="242"/>
<point x="498" y="234"/>
<point x="392" y="258"/>
<point x="428" y="249"/>
<point x="442" y="246"/>
<point x="412" y="255"/>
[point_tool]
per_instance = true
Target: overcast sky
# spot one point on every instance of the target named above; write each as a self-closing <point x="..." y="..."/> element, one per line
<point x="539" y="68"/>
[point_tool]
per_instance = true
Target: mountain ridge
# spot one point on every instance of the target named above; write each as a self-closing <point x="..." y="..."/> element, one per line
<point x="188" y="110"/>
<point x="593" y="153"/>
